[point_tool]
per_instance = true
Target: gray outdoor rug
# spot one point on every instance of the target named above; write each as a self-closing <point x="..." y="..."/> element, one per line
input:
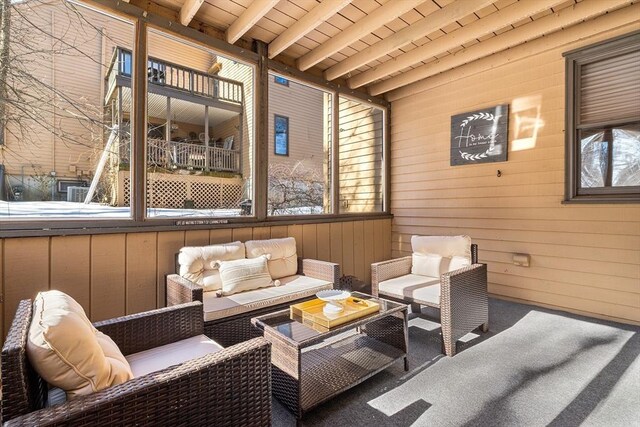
<point x="535" y="367"/>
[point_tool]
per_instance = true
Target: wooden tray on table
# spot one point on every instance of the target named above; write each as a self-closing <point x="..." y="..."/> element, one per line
<point x="310" y="313"/>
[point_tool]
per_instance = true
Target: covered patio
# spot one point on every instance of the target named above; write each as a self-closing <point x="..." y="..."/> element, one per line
<point x="468" y="171"/>
<point x="535" y="367"/>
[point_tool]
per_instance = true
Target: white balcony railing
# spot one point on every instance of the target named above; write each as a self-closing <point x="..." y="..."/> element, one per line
<point x="183" y="155"/>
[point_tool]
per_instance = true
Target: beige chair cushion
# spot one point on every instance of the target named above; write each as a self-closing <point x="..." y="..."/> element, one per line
<point x="244" y="275"/>
<point x="290" y="289"/>
<point x="426" y="264"/>
<point x="199" y="264"/>
<point x="458" y="262"/>
<point x="68" y="352"/>
<point x="446" y="246"/>
<point x="283" y="260"/>
<point x="176" y="353"/>
<point x="422" y="289"/>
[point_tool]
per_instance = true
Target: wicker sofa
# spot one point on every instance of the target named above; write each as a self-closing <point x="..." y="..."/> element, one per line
<point x="458" y="291"/>
<point x="227" y="319"/>
<point x="229" y="387"/>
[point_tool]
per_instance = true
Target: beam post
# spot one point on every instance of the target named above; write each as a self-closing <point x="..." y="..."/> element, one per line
<point x="207" y="155"/>
<point x="306" y="24"/>
<point x="252" y="14"/>
<point x="432" y="22"/>
<point x="139" y="122"/>
<point x="261" y="174"/>
<point x="189" y="10"/>
<point x="525" y="35"/>
<point x="335" y="154"/>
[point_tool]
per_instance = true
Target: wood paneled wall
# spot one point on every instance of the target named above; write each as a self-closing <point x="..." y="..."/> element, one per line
<point x="305" y="107"/>
<point x="584" y="258"/>
<point x="116" y="274"/>
<point x="361" y="129"/>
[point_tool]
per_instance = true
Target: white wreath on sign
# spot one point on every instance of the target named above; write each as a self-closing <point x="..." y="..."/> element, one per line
<point x="477" y="116"/>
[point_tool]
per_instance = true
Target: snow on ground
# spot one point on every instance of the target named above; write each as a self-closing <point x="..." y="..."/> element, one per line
<point x="94" y="210"/>
<point x="61" y="209"/>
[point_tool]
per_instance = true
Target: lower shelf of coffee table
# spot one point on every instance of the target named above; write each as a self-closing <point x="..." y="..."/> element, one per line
<point x="330" y="369"/>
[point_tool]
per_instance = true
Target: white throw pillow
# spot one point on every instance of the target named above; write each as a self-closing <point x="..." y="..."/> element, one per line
<point x="199" y="264"/>
<point x="244" y="275"/>
<point x="458" y="262"/>
<point x="283" y="261"/>
<point x="68" y="352"/>
<point x="426" y="264"/>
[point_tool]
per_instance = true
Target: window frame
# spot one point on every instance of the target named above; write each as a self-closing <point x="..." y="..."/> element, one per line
<point x="275" y="134"/>
<point x="574" y="61"/>
<point x="138" y="221"/>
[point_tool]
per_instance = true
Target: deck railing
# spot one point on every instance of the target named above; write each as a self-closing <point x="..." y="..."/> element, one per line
<point x="183" y="155"/>
<point x="175" y="76"/>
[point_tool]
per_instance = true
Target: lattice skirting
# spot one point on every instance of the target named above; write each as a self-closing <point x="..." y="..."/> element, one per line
<point x="171" y="191"/>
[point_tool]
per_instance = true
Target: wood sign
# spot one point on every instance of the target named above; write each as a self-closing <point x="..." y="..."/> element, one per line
<point x="480" y="136"/>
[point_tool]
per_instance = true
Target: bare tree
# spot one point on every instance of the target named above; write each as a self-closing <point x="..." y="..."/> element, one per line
<point x="296" y="189"/>
<point x="5" y="34"/>
<point x="34" y="109"/>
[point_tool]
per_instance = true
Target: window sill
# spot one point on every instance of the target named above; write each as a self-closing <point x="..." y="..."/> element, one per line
<point x="25" y="229"/>
<point x="603" y="200"/>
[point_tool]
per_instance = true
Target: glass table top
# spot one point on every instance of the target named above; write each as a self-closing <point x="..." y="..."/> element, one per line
<point x="295" y="330"/>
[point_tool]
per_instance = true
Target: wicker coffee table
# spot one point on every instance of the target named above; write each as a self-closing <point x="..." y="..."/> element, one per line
<point x="310" y="367"/>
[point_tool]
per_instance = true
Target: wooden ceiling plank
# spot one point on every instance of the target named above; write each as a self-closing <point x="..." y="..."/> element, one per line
<point x="248" y="19"/>
<point x="615" y="21"/>
<point x="362" y="27"/>
<point x="459" y="37"/>
<point x="548" y="24"/>
<point x="189" y="10"/>
<point x="304" y="25"/>
<point x="438" y="19"/>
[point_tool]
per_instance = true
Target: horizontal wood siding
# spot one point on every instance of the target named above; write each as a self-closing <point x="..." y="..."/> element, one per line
<point x="584" y="258"/>
<point x="116" y="274"/>
<point x="360" y="129"/>
<point x="243" y="73"/>
<point x="305" y="107"/>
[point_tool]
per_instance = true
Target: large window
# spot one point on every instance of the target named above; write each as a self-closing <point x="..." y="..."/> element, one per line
<point x="603" y="129"/>
<point x="300" y="135"/>
<point x="73" y="134"/>
<point x="62" y="146"/>
<point x="199" y="139"/>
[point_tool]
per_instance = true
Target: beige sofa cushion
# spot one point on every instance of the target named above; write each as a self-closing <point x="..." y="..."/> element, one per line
<point x="291" y="288"/>
<point x="422" y="289"/>
<point x="199" y="264"/>
<point x="445" y="246"/>
<point x="244" y="275"/>
<point x="176" y="353"/>
<point x="283" y="260"/>
<point x="68" y="352"/>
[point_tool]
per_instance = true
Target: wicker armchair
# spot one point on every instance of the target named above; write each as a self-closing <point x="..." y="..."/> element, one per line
<point x="463" y="300"/>
<point x="238" y="328"/>
<point x="231" y="387"/>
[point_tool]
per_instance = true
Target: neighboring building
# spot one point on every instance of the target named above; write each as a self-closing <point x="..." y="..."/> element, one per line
<point x="200" y="120"/>
<point x="200" y="139"/>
